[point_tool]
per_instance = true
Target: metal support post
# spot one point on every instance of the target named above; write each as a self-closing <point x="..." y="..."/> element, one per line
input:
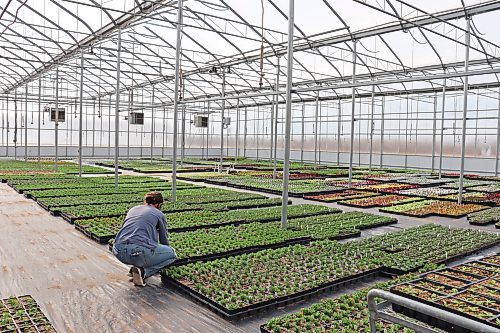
<point x="15" y="125"/>
<point x="316" y="131"/>
<point x="80" y="121"/>
<point x="56" y="167"/>
<point x="117" y="105"/>
<point x="152" y="124"/>
<point x="276" y="109"/>
<point x="353" y="102"/>
<point x="222" y="120"/>
<point x="339" y="124"/>
<point x="26" y="124"/>
<point x="130" y="105"/>
<point x="302" y="134"/>
<point x="109" y="127"/>
<point x="271" y="147"/>
<point x="163" y="133"/>
<point x="441" y="143"/>
<point x="237" y="153"/>
<point x="245" y="133"/>
<point x="372" y="127"/>
<point x="93" y="127"/>
<point x="406" y="131"/>
<point x="434" y="121"/>
<point x="183" y="129"/>
<point x="8" y="130"/>
<point x="382" y="129"/>
<point x="288" y="122"/>
<point x="180" y="5"/>
<point x="498" y="138"/>
<point x="464" y="117"/>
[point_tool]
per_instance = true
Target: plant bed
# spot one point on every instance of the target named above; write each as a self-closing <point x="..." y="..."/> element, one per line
<point x="432" y="207"/>
<point x="456" y="289"/>
<point x="273" y="276"/>
<point x="379" y="201"/>
<point x="269" y="304"/>
<point x="485" y="217"/>
<point x="334" y="197"/>
<point x="346" y="313"/>
<point x="23" y="314"/>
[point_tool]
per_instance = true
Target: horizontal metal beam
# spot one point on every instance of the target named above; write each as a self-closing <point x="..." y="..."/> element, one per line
<point x="123" y="21"/>
<point x="280" y="49"/>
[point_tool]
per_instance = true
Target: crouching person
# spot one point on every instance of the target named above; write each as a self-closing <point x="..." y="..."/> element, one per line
<point x="142" y="241"/>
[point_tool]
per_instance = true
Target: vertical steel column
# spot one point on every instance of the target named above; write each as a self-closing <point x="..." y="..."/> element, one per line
<point x="316" y="131"/>
<point x="26" y="124"/>
<point x="302" y="134"/>
<point x="372" y="127"/>
<point x="288" y="121"/>
<point x="271" y="147"/>
<point x="434" y="121"/>
<point x="15" y="125"/>
<point x="339" y="124"/>
<point x="183" y="128"/>
<point x="498" y="137"/>
<point x="109" y="127"/>
<point x="180" y="5"/>
<point x="56" y="167"/>
<point x="353" y="102"/>
<point x="441" y="143"/>
<point x="245" y="132"/>
<point x="130" y="102"/>
<point x="152" y="123"/>
<point x="406" y="132"/>
<point x="93" y="128"/>
<point x="163" y="133"/>
<point x="276" y="97"/>
<point x="382" y="129"/>
<point x="80" y="121"/>
<point x="117" y="104"/>
<point x="222" y="120"/>
<point x="8" y="130"/>
<point x="208" y="127"/>
<point x="237" y="152"/>
<point x="464" y="117"/>
<point x="3" y="122"/>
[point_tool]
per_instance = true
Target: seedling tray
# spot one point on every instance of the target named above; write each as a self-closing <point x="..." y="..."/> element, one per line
<point x="263" y="306"/>
<point x="236" y="223"/>
<point x="31" y="320"/>
<point x="383" y="210"/>
<point x="249" y="249"/>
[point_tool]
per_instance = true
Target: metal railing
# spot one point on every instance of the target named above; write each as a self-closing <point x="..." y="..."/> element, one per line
<point x="425" y="309"/>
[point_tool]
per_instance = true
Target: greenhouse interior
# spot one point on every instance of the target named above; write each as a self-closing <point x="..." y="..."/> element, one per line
<point x="261" y="166"/>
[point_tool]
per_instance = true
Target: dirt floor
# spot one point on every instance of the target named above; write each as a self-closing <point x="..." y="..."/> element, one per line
<point x="83" y="288"/>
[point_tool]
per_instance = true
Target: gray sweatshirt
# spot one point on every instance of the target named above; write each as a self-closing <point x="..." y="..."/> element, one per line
<point x="144" y="225"/>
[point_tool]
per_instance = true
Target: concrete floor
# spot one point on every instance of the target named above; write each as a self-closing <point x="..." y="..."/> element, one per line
<point x="83" y="288"/>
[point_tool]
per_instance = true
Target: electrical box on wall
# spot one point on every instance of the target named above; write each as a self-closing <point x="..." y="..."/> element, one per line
<point x="227" y="121"/>
<point x="136" y="118"/>
<point x="59" y="113"/>
<point x="201" y="121"/>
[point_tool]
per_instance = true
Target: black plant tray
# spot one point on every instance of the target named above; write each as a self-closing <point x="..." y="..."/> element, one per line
<point x="249" y="249"/>
<point x="262" y="205"/>
<point x="236" y="223"/>
<point x="262" y="306"/>
<point x="383" y="210"/>
<point x="43" y="205"/>
<point x="482" y="224"/>
<point x="72" y="218"/>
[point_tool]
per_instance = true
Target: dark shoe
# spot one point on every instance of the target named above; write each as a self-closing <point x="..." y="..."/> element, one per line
<point x="130" y="272"/>
<point x="138" y="276"/>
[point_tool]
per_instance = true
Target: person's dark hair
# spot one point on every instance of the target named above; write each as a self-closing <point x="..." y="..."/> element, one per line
<point x="153" y="198"/>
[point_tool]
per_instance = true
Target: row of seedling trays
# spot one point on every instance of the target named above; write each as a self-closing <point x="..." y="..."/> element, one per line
<point x="23" y="314"/>
<point x="471" y="290"/>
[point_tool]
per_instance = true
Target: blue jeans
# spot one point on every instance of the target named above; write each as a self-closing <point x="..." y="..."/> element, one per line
<point x="140" y="256"/>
